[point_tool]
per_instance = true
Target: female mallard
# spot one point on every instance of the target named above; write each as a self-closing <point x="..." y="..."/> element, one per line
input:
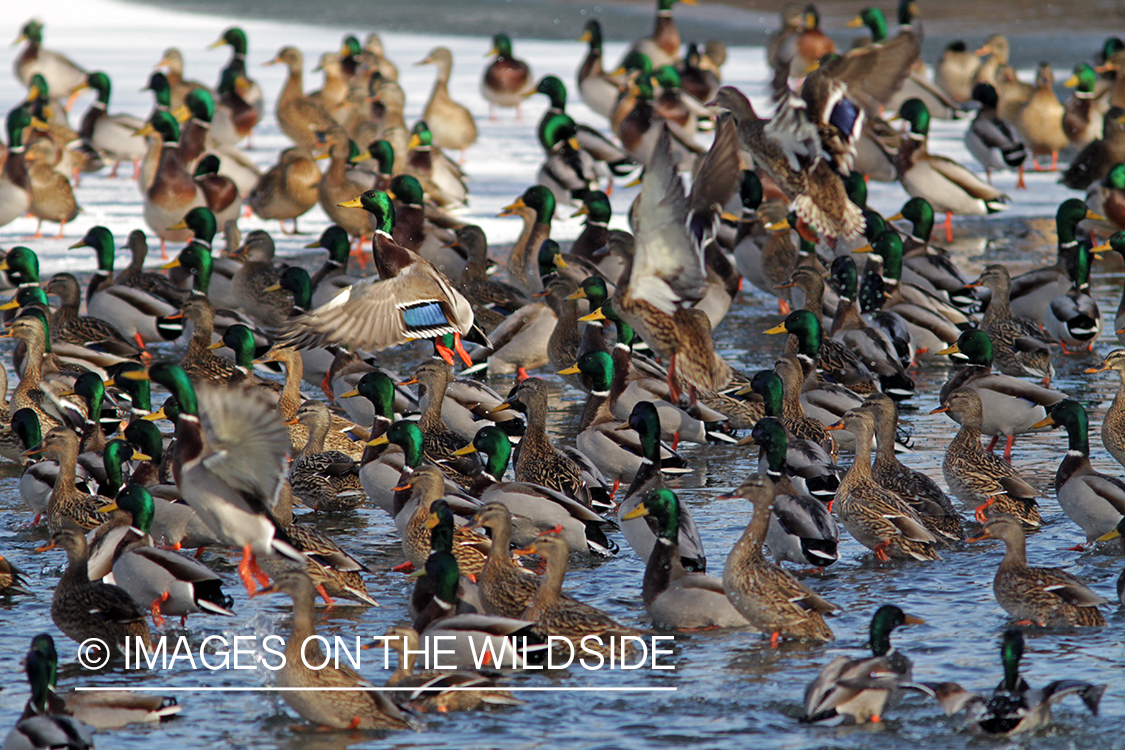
<point x="860" y="690"/>
<point x="84" y="609"/>
<point x="426" y="486"/>
<point x="948" y="186"/>
<point x="68" y="505"/>
<point x="506" y="588"/>
<point x="337" y="189"/>
<point x="799" y="43"/>
<point x="555" y="615"/>
<point x="1015" y="707"/>
<point x="173" y="63"/>
<point x="432" y="687"/>
<point x="956" y="69"/>
<point x="1047" y="597"/>
<point x="1040" y="121"/>
<point x="1018" y="346"/>
<point x="1010" y="406"/>
<point x="68" y="327"/>
<point x="433" y="378"/>
<point x="361" y="706"/>
<point x="164" y="581"/>
<point x="1083" y="112"/>
<point x="506" y="79"/>
<point x="1113" y="423"/>
<point x="978" y="478"/>
<point x="299" y="116"/>
<point x="917" y="489"/>
<point x="768" y="596"/>
<point x="411" y="300"/>
<point x="674" y="598"/>
<point x="201" y="364"/>
<point x="493" y="301"/>
<point x="114" y="135"/>
<point x="1094" y="501"/>
<point x="324" y="480"/>
<point x="596" y="89"/>
<point x="817" y="191"/>
<point x="52" y="197"/>
<point x="878" y="518"/>
<point x="231" y="489"/>
<point x="992" y="140"/>
<point x="172" y="192"/>
<point x="15" y="182"/>
<point x="288" y="189"/>
<point x="257" y="273"/>
<point x="451" y="124"/>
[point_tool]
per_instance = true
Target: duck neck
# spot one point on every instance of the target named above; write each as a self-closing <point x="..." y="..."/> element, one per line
<point x="318" y="434"/>
<point x="861" y="466"/>
<point x="290" y="399"/>
<point x="431" y="421"/>
<point x="550" y="589"/>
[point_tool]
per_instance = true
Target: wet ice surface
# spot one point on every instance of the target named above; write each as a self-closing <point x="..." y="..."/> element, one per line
<point x="731" y="690"/>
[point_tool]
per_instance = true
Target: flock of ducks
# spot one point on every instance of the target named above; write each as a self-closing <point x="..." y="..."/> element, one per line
<point x="779" y="202"/>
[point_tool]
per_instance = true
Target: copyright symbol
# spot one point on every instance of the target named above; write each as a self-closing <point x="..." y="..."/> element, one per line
<point x="93" y="653"/>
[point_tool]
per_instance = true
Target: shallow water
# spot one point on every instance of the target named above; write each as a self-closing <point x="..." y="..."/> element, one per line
<point x="731" y="689"/>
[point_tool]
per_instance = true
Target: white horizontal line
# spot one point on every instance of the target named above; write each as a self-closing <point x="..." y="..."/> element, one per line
<point x="514" y="689"/>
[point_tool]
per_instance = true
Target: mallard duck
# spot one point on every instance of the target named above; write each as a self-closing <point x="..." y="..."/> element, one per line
<point x="978" y="478"/>
<point x="506" y="588"/>
<point x="288" y="189"/>
<point x="82" y="609"/>
<point x="173" y="63"/>
<point x="540" y="508"/>
<point x="1009" y="405"/>
<point x="917" y="489"/>
<point x="100" y="710"/>
<point x="11" y="579"/>
<point x="799" y="43"/>
<point x="1074" y="318"/>
<point x="201" y="364"/>
<point x="1113" y="423"/>
<point x="299" y="116"/>
<point x="1107" y="199"/>
<point x="171" y="193"/>
<point x="1094" y="501"/>
<point x="878" y="518"/>
<point x="257" y="273"/>
<point x="1014" y="707"/>
<point x="336" y="188"/>
<point x="992" y="140"/>
<point x="768" y="596"/>
<point x="674" y="598"/>
<point x="426" y="485"/>
<point x="596" y="89"/>
<point x="802" y="529"/>
<point x="1047" y="597"/>
<point x="52" y="197"/>
<point x="219" y="191"/>
<point x="451" y="124"/>
<point x="433" y="378"/>
<point x="818" y="193"/>
<point x="538" y="461"/>
<point x="443" y="180"/>
<point x="40" y="727"/>
<point x="67" y="504"/>
<point x="38" y="480"/>
<point x="68" y="327"/>
<point x="239" y="94"/>
<point x="133" y="275"/>
<point x="164" y="581"/>
<point x="956" y="69"/>
<point x="1017" y="345"/>
<point x="948" y="186"/>
<point x="1083" y="112"/>
<point x="114" y="135"/>
<point x="858" y="691"/>
<point x="333" y="275"/>
<point x="663" y="47"/>
<point x="1098" y="157"/>
<point x="835" y="361"/>
<point x="638" y="125"/>
<point x="363" y="708"/>
<point x="1033" y="291"/>
<point x="536" y="206"/>
<point x="568" y="171"/>
<point x="416" y="233"/>
<point x="231" y="490"/>
<point x="506" y="79"/>
<point x="554" y="615"/>
<point x="493" y="301"/>
<point x="63" y="75"/>
<point x="323" y="480"/>
<point x="432" y="687"/>
<point x="15" y="182"/>
<point x="425" y="304"/>
<point x="1040" y="121"/>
